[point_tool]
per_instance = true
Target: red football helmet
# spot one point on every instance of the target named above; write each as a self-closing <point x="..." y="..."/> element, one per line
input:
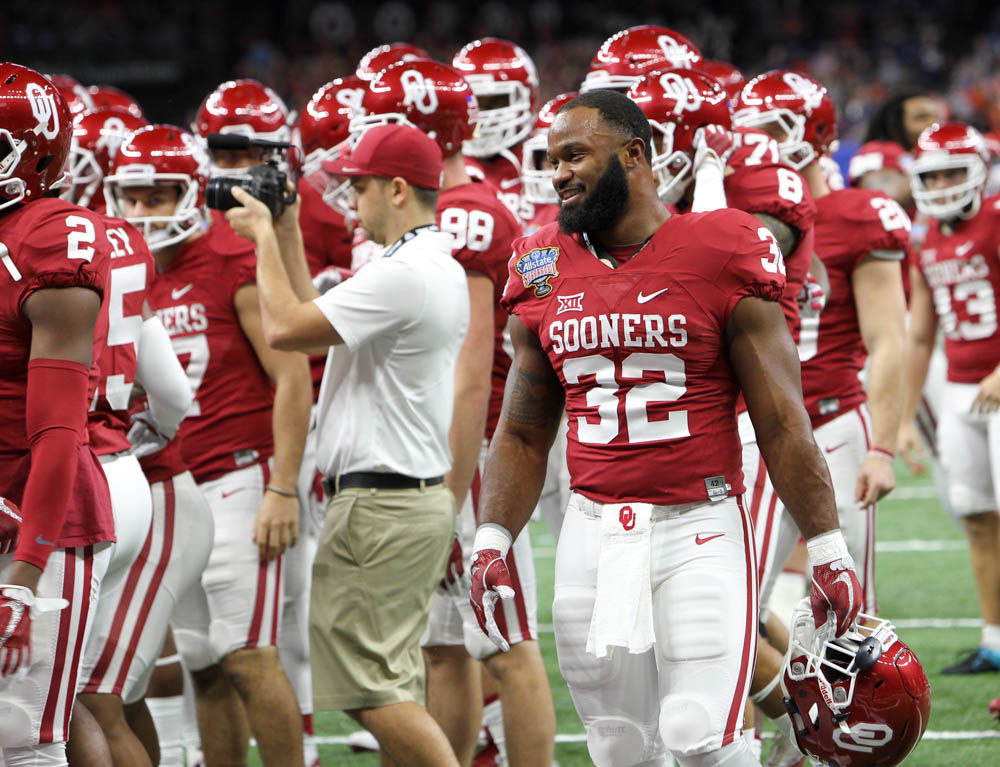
<point x="246" y="107"/>
<point x="429" y="95"/>
<point x="382" y="56"/>
<point x="109" y="96"/>
<point x="628" y="55"/>
<point x="35" y="134"/>
<point x="504" y="78"/>
<point x="97" y="136"/>
<point x="729" y="77"/>
<point x="950" y="147"/>
<point x="536" y="173"/>
<point x="161" y="155"/>
<point x="858" y="700"/>
<point x="77" y="97"/>
<point x="677" y="102"/>
<point x="325" y="120"/>
<point x="794" y="106"/>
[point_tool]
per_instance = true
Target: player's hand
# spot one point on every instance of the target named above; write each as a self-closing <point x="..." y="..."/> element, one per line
<point x="490" y="582"/>
<point x="146" y="435"/>
<point x="10" y="526"/>
<point x="876" y="479"/>
<point x="252" y="219"/>
<point x="277" y="525"/>
<point x="329" y="278"/>
<point x="455" y="582"/>
<point x="836" y="593"/>
<point x="812" y="297"/>
<point x="17" y="604"/>
<point x="712" y="143"/>
<point x="987" y="399"/>
<point x="910" y="449"/>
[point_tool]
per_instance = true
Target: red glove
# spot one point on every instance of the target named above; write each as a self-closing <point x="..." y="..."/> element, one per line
<point x="10" y="525"/>
<point x="712" y="140"/>
<point x="16" y="605"/>
<point x="490" y="578"/>
<point x="836" y="591"/>
<point x="454" y="581"/>
<point x="812" y="297"/>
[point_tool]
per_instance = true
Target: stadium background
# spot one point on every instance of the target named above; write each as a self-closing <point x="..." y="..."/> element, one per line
<point x="171" y="54"/>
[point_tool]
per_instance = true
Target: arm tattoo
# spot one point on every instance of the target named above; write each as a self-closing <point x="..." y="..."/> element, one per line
<point x="532" y="398"/>
<point x="787" y="236"/>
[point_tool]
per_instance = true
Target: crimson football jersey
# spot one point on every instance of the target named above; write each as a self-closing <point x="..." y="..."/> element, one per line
<point x="503" y="173"/>
<point x="851" y="225"/>
<point x="640" y="351"/>
<point x="543" y="214"/>
<point x="963" y="273"/>
<point x="229" y="425"/>
<point x="326" y="237"/>
<point x="484" y="231"/>
<point x="49" y="243"/>
<point x="113" y="373"/>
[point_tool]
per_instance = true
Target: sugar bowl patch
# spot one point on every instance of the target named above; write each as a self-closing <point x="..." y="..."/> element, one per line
<point x="536" y="268"/>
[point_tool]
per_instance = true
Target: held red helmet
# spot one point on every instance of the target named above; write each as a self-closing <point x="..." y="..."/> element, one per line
<point x="536" y="173"/>
<point x="792" y="104"/>
<point x="505" y="82"/>
<point x="77" y="97"/>
<point x="161" y="155"/>
<point x="35" y="134"/>
<point x="382" y="56"/>
<point x="677" y="102"/>
<point x="856" y="701"/>
<point x="97" y="136"/>
<point x="729" y="77"/>
<point x="109" y="96"/>
<point x="429" y="95"/>
<point x="950" y="147"/>
<point x="628" y="55"/>
<point x="246" y="107"/>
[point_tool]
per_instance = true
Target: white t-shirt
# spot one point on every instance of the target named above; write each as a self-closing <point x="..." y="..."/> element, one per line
<point x="386" y="400"/>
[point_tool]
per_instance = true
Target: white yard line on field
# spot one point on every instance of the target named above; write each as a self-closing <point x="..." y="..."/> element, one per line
<point x="902" y="623"/>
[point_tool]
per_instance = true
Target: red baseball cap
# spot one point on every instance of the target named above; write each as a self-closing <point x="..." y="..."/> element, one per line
<point x="393" y="150"/>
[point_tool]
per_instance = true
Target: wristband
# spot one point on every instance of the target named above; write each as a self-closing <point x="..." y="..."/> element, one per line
<point x="881" y="452"/>
<point x="826" y="548"/>
<point x="279" y="491"/>
<point x="492" y="536"/>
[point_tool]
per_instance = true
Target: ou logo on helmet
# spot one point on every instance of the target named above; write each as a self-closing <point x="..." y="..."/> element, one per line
<point x="805" y="88"/>
<point x="351" y="98"/>
<point x="678" y="54"/>
<point x="682" y="90"/>
<point x="864" y="737"/>
<point x="45" y="110"/>
<point x="419" y="92"/>
<point x="113" y="134"/>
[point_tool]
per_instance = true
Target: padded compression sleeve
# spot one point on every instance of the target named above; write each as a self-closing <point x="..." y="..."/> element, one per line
<point x="56" y="425"/>
<point x="163" y="378"/>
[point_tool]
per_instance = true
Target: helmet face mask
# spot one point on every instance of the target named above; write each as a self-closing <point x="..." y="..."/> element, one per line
<point x="536" y="173"/>
<point x="499" y="127"/>
<point x="631" y="53"/>
<point x="788" y="130"/>
<point x="671" y="168"/>
<point x="950" y="147"/>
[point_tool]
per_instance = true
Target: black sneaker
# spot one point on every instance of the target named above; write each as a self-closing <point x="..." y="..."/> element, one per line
<point x="979" y="661"/>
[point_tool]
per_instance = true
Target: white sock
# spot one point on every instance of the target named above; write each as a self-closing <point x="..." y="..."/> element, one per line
<point x="750" y="735"/>
<point x="189" y="716"/>
<point x="493" y="721"/>
<point x="784" y="725"/>
<point x="991" y="636"/>
<point x="168" y="716"/>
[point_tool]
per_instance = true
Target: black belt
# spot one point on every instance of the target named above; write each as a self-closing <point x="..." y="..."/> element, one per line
<point x="377" y="480"/>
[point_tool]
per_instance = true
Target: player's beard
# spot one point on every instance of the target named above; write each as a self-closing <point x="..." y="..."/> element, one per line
<point x="602" y="207"/>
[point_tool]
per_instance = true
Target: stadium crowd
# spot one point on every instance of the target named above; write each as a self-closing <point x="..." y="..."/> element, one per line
<point x="283" y="386"/>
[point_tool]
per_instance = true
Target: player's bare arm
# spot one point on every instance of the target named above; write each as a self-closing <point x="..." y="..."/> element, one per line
<point x="289" y="323"/>
<point x="787" y="236"/>
<point x="919" y="345"/>
<point x="472" y="388"/>
<point x="62" y="328"/>
<point x="878" y="297"/>
<point x="766" y="365"/>
<point x="532" y="406"/>
<point x="277" y="524"/>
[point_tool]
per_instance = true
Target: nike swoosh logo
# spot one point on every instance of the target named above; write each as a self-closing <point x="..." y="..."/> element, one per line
<point x="507" y="183"/>
<point x="961" y="250"/>
<point x="698" y="539"/>
<point x="231" y="492"/>
<point x="40" y="540"/>
<point x="644" y="298"/>
<point x="176" y="294"/>
<point x="835" y="447"/>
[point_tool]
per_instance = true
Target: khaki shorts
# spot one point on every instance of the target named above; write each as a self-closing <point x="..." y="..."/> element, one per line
<point x="381" y="555"/>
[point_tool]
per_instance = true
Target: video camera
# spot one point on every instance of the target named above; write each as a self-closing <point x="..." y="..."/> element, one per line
<point x="267" y="182"/>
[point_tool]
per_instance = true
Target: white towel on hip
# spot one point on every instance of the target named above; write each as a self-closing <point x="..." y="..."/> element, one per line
<point x="623" y="610"/>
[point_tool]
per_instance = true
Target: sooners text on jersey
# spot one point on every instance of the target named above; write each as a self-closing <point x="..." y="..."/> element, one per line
<point x="640" y="351"/>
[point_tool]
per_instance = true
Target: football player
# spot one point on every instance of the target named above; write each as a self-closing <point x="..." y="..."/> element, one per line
<point x="54" y="262"/>
<point x="647" y="325"/>
<point x="105" y="96"/>
<point x="631" y="53"/>
<point x="955" y="284"/>
<point x="483" y="230"/>
<point x="242" y="440"/>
